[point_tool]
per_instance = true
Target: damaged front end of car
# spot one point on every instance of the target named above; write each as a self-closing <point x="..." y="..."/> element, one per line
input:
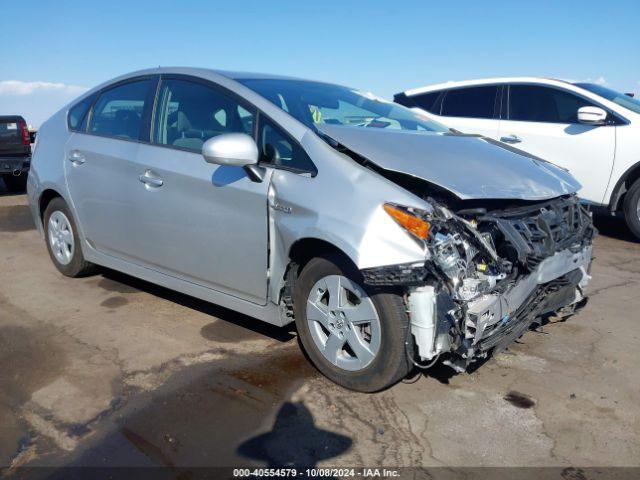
<point x="491" y="271"/>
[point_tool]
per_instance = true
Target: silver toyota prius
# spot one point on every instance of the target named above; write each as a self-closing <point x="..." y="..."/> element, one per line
<point x="391" y="241"/>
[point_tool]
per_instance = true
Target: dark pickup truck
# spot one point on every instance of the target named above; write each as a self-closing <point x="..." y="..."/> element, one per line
<point x="15" y="152"/>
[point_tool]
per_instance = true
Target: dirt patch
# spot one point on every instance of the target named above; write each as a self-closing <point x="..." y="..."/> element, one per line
<point x="278" y="373"/>
<point x="147" y="448"/>
<point x="114" y="302"/>
<point x="573" y="473"/>
<point x="16" y="218"/>
<point x="114" y="286"/>
<point x="519" y="400"/>
<point x="29" y="360"/>
<point x="15" y="435"/>
<point x="227" y="332"/>
<point x="204" y="413"/>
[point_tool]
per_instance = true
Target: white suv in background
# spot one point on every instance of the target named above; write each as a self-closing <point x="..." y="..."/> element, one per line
<point x="589" y="129"/>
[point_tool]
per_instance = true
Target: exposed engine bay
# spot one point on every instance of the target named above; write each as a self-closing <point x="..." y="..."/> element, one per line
<point x="490" y="273"/>
<point x="494" y="266"/>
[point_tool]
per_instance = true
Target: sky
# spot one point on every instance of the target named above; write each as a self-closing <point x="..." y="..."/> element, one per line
<point x="54" y="50"/>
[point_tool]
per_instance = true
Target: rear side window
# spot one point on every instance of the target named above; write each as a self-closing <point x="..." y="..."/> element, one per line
<point x="473" y="102"/>
<point x="189" y="113"/>
<point x="278" y="149"/>
<point x="426" y="101"/>
<point x="9" y="130"/>
<point x="531" y="103"/>
<point x="78" y="114"/>
<point x="118" y="111"/>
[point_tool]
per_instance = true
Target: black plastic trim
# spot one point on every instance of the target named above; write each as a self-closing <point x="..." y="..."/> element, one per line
<point x="619" y="190"/>
<point x="259" y="121"/>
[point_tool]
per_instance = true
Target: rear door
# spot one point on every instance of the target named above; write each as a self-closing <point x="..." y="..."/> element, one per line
<point x="203" y="223"/>
<point x="100" y="164"/>
<point x="542" y="120"/>
<point x="472" y="109"/>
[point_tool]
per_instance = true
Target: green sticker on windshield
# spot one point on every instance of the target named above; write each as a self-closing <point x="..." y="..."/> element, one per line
<point x="316" y="114"/>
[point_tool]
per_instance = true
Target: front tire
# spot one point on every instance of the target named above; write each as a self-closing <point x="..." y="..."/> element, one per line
<point x="356" y="336"/>
<point x="63" y="242"/>
<point x="631" y="208"/>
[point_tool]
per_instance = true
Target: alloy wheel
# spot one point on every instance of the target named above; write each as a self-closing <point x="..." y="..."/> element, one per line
<point x="343" y="322"/>
<point x="60" y="235"/>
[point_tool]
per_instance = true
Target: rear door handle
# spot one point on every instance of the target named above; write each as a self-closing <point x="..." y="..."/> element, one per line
<point x="511" y="139"/>
<point x="76" y="157"/>
<point x="150" y="179"/>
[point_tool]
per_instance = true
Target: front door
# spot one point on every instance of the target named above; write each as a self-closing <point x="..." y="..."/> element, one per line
<point x="203" y="223"/>
<point x="543" y="121"/>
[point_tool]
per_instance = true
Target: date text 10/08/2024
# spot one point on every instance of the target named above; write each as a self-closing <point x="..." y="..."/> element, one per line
<point x="316" y="472"/>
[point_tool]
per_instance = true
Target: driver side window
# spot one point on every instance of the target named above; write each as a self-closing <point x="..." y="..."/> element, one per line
<point x="279" y="150"/>
<point x="534" y="103"/>
<point x="189" y="113"/>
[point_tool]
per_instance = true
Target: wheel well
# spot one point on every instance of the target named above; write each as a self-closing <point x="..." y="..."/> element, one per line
<point x="623" y="185"/>
<point x="45" y="199"/>
<point x="300" y="253"/>
<point x="305" y="249"/>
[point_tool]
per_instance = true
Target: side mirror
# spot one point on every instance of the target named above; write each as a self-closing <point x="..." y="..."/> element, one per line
<point x="592" y="115"/>
<point x="234" y="150"/>
<point x="231" y="149"/>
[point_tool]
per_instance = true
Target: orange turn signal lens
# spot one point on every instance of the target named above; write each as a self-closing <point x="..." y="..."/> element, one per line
<point x="414" y="225"/>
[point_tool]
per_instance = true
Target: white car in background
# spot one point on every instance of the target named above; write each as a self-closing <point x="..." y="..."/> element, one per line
<point x="591" y="130"/>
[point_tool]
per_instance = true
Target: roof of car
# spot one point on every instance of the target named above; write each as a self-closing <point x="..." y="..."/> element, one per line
<point x="483" y="81"/>
<point x="11" y="117"/>
<point x="233" y="75"/>
<point x="254" y="75"/>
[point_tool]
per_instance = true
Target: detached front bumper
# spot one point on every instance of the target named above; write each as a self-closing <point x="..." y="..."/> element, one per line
<point x="469" y="330"/>
<point x="14" y="165"/>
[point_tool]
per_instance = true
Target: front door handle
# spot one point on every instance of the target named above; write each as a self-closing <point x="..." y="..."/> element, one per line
<point x="76" y="157"/>
<point x="150" y="179"/>
<point x="511" y="139"/>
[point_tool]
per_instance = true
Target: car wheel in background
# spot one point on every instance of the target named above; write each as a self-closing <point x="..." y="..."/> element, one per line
<point x="63" y="241"/>
<point x="631" y="208"/>
<point x="15" y="184"/>
<point x="353" y="334"/>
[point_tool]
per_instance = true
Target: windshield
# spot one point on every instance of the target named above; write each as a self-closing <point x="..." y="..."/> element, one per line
<point x="315" y="103"/>
<point x="621" y="99"/>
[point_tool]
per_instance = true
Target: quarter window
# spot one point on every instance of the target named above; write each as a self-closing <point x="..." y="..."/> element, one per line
<point x="190" y="113"/>
<point x="530" y="103"/>
<point x="118" y="111"/>
<point x="78" y="113"/>
<point x="474" y="102"/>
<point x="279" y="150"/>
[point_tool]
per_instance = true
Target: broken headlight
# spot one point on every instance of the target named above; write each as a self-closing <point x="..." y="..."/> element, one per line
<point x="455" y="248"/>
<point x="413" y="220"/>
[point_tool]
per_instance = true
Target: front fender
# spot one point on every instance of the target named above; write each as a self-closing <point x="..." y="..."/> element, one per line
<point x="341" y="205"/>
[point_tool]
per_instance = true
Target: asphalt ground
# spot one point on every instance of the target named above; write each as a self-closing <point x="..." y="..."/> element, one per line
<point x="112" y="371"/>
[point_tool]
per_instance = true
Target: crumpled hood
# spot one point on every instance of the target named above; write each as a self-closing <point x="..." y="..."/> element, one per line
<point x="469" y="166"/>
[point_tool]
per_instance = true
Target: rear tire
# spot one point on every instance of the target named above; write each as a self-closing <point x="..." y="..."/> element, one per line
<point x="15" y="184"/>
<point x="631" y="208"/>
<point x="63" y="242"/>
<point x="379" y="357"/>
